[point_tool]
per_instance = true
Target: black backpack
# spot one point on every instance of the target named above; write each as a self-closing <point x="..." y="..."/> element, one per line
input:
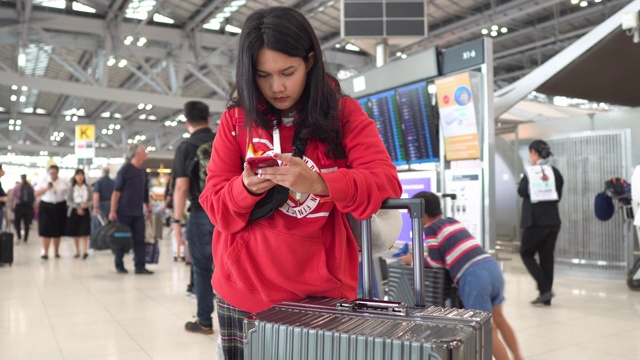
<point x="197" y="167"/>
<point x="26" y="194"/>
<point x="618" y="189"/>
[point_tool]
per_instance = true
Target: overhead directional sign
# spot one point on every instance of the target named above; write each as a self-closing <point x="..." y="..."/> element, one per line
<point x="85" y="141"/>
<point x="463" y="56"/>
<point x="86" y="132"/>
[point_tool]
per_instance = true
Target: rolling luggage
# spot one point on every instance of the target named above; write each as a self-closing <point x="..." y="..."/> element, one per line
<point x="6" y="247"/>
<point x="323" y="329"/>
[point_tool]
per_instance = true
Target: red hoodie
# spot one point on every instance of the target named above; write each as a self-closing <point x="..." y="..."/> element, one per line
<point x="304" y="248"/>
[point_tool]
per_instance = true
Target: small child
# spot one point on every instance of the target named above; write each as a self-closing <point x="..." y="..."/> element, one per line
<point x="478" y="277"/>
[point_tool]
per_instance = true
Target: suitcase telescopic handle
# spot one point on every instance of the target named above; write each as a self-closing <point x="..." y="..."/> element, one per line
<point x="416" y="209"/>
<point x="364" y="305"/>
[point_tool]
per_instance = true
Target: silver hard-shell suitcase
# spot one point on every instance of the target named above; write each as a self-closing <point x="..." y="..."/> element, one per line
<point x="439" y="289"/>
<point x="323" y="329"/>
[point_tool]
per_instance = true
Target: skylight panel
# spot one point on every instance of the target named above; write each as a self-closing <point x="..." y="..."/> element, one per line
<point x="82" y="7"/>
<point x="58" y="4"/>
<point x="162" y="19"/>
<point x="139" y="9"/>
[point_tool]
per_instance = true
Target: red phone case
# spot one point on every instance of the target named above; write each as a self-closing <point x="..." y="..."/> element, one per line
<point x="260" y="162"/>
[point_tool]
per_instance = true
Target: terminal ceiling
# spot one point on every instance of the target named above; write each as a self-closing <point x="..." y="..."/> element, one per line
<point x="78" y="67"/>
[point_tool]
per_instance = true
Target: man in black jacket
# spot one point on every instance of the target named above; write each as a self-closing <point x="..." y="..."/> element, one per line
<point x="189" y="171"/>
<point x="540" y="224"/>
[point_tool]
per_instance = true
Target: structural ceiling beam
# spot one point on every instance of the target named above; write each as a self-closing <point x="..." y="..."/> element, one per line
<point x="100" y="93"/>
<point x="502" y="14"/>
<point x="90" y="25"/>
<point x="513" y="93"/>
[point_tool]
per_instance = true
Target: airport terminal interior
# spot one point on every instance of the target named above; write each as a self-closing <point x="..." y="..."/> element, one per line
<point x="458" y="90"/>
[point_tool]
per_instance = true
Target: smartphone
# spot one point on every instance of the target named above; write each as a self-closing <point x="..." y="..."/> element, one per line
<point x="259" y="162"/>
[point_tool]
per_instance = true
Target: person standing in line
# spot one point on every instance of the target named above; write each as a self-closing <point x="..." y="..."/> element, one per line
<point x="3" y="200"/>
<point x="102" y="190"/>
<point x="289" y="108"/>
<point x="130" y="196"/>
<point x="478" y="276"/>
<point x="540" y="224"/>
<point x="52" y="212"/>
<point x="167" y="209"/>
<point x="78" y="216"/>
<point x="22" y="203"/>
<point x="186" y="172"/>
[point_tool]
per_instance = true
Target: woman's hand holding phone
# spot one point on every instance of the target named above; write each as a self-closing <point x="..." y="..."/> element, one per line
<point x="295" y="175"/>
<point x="259" y="162"/>
<point x="254" y="182"/>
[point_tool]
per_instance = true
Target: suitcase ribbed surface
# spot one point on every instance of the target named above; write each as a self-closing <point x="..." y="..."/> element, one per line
<point x="437" y="285"/>
<point x="315" y="330"/>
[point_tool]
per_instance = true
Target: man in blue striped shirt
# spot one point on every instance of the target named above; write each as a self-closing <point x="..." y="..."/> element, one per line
<point x="478" y="277"/>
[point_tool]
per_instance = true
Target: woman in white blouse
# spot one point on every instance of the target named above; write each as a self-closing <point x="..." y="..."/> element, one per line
<point x="78" y="217"/>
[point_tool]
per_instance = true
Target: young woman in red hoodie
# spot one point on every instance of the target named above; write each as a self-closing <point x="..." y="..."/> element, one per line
<point x="287" y="106"/>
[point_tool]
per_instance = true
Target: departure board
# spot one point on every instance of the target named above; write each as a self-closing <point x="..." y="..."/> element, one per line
<point x="419" y="123"/>
<point x="383" y="109"/>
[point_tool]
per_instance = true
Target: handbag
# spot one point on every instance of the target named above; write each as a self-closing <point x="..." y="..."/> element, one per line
<point x="119" y="236"/>
<point x="152" y="252"/>
<point x="273" y="199"/>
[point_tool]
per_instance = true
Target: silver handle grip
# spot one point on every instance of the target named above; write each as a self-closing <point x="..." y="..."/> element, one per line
<point x="367" y="305"/>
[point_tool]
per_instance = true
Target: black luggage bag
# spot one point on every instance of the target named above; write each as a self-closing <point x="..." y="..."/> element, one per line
<point x="6" y="247"/>
<point x="98" y="238"/>
<point x="323" y="329"/>
<point x="113" y="236"/>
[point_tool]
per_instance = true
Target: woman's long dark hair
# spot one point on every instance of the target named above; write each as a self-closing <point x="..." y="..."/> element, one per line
<point x="286" y="30"/>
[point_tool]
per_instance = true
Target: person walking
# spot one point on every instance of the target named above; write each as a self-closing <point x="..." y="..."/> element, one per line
<point x="540" y="221"/>
<point x="186" y="172"/>
<point x="102" y="190"/>
<point x="78" y="216"/>
<point x="22" y="205"/>
<point x="130" y="196"/>
<point x="52" y="212"/>
<point x="3" y="200"/>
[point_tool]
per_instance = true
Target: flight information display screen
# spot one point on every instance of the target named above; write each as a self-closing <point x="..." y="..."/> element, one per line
<point x="419" y="123"/>
<point x="383" y="109"/>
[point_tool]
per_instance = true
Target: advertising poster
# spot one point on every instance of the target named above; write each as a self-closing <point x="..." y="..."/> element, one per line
<point x="414" y="182"/>
<point x="467" y="208"/>
<point x="458" y="118"/>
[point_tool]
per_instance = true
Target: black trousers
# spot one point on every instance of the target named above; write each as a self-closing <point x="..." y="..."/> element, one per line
<point x="23" y="217"/>
<point x="540" y="240"/>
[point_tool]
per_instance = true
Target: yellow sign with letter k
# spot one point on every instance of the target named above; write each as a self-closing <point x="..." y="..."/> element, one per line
<point x="85" y="132"/>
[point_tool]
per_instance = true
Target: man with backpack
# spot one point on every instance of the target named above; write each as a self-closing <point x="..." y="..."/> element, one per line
<point x="3" y="200"/>
<point x="23" y="209"/>
<point x="190" y="172"/>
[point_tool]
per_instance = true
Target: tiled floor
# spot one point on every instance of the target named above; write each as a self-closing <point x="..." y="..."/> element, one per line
<point x="73" y="309"/>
